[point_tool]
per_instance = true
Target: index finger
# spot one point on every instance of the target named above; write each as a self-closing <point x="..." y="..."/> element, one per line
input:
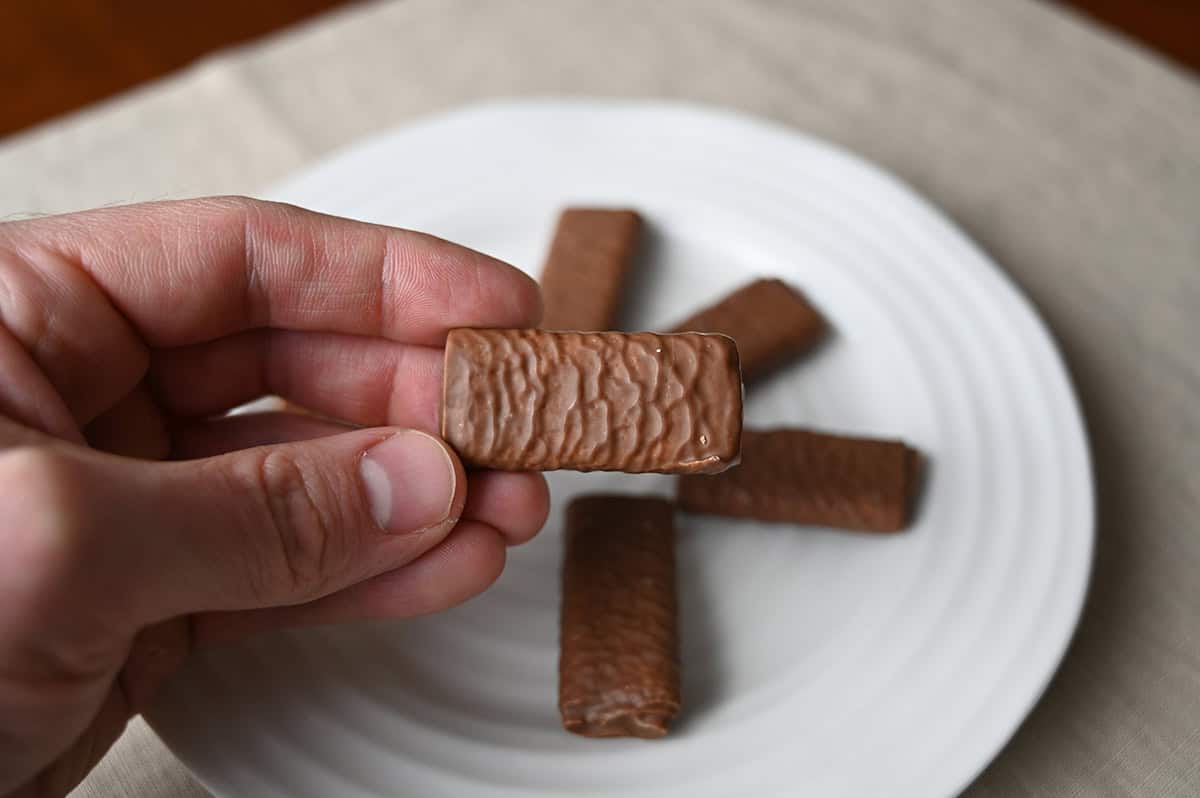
<point x="191" y="271"/>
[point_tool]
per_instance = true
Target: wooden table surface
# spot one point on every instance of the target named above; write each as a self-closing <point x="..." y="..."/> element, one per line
<point x="59" y="55"/>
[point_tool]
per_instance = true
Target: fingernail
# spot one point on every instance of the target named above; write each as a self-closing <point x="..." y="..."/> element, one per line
<point x="409" y="480"/>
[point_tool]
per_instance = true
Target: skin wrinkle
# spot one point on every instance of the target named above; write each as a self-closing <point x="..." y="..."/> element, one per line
<point x="260" y="572"/>
<point x="327" y="525"/>
<point x="82" y="247"/>
<point x="7" y="303"/>
<point x="48" y="267"/>
<point x="138" y="356"/>
<point x="386" y="275"/>
<point x="472" y="288"/>
<point x="385" y="410"/>
<point x="249" y="305"/>
<point x="6" y="297"/>
<point x="294" y="263"/>
<point x="410" y="280"/>
<point x="47" y="412"/>
<point x="308" y="248"/>
<point x="322" y="245"/>
<point x="283" y="485"/>
<point x="33" y="328"/>
<point x="430" y="289"/>
<point x="160" y="243"/>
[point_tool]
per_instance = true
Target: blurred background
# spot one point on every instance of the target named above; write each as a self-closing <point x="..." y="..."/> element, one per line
<point x="58" y="55"/>
<point x="1062" y="136"/>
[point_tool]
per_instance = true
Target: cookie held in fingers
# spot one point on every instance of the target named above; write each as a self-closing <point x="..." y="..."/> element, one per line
<point x="534" y="400"/>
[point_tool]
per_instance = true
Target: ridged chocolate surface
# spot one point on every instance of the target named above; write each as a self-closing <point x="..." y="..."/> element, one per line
<point x="770" y="321"/>
<point x="619" y="662"/>
<point x="533" y="400"/>
<point x="585" y="270"/>
<point x="805" y="477"/>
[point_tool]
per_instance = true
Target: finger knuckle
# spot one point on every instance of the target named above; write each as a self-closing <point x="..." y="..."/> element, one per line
<point x="305" y="547"/>
<point x="42" y="509"/>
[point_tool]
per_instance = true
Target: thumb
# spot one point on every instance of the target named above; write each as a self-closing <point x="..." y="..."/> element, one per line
<point x="260" y="527"/>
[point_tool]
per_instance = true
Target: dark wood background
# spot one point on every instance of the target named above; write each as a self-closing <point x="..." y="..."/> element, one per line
<point x="58" y="55"/>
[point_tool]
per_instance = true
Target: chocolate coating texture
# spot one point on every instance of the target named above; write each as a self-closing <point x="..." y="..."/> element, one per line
<point x="619" y="661"/>
<point x="585" y="271"/>
<point x="532" y="400"/>
<point x="805" y="477"/>
<point x="771" y="322"/>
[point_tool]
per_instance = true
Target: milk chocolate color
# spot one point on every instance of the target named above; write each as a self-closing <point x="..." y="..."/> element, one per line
<point x="806" y="477"/>
<point x="619" y="662"/>
<point x="771" y="322"/>
<point x="585" y="270"/>
<point x="534" y="400"/>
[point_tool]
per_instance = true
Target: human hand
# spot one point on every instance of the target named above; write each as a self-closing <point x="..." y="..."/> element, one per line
<point x="124" y="335"/>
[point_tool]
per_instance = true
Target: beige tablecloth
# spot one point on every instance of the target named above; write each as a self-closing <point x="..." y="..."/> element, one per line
<point x="1073" y="157"/>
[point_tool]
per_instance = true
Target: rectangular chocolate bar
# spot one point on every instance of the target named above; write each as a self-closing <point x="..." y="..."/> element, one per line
<point x="805" y="477"/>
<point x="534" y="400"/>
<point x="619" y="662"/>
<point x="585" y="270"/>
<point x="770" y="321"/>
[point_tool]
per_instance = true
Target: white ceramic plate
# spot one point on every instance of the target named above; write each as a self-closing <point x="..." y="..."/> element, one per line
<point x="816" y="662"/>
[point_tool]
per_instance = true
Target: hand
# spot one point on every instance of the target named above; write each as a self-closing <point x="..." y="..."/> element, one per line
<point x="124" y="335"/>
